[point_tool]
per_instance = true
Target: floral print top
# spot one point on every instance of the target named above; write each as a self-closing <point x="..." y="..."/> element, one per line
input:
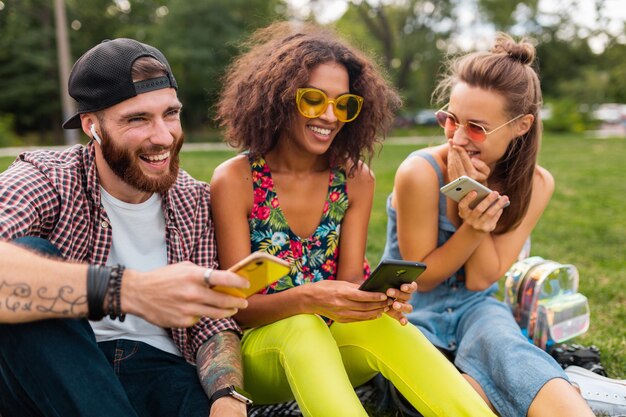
<point x="311" y="259"/>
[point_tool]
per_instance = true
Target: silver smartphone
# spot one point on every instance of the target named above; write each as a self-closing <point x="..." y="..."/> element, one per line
<point x="458" y="188"/>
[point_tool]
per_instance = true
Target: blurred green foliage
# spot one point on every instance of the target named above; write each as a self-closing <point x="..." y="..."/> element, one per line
<point x="566" y="117"/>
<point x="7" y="135"/>
<point x="410" y="40"/>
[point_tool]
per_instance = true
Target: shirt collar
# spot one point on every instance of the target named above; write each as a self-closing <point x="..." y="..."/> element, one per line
<point x="93" y="183"/>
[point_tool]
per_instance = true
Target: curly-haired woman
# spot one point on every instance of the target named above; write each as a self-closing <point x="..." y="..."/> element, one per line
<point x="304" y="107"/>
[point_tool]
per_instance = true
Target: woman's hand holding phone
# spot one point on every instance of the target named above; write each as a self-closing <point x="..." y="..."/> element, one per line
<point x="484" y="217"/>
<point x="342" y="301"/>
<point x="400" y="301"/>
<point x="478" y="207"/>
<point x="396" y="279"/>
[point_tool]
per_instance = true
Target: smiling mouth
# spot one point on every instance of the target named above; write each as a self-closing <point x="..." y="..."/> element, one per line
<point x="156" y="158"/>
<point x="320" y="130"/>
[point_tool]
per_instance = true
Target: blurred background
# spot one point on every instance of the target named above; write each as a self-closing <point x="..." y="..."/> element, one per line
<point x="581" y="49"/>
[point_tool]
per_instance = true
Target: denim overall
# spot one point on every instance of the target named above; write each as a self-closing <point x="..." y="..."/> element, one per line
<point x="476" y="329"/>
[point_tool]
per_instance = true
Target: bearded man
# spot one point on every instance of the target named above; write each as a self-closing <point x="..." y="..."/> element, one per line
<point x="107" y="260"/>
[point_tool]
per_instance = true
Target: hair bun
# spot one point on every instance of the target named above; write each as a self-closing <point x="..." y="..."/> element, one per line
<point x="522" y="51"/>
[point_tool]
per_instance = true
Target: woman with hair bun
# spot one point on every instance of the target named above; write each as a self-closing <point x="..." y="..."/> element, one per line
<point x="304" y="107"/>
<point x="490" y="103"/>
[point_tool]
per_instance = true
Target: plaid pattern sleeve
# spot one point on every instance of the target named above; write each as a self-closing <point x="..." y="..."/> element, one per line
<point x="55" y="195"/>
<point x="29" y="203"/>
<point x="189" y="212"/>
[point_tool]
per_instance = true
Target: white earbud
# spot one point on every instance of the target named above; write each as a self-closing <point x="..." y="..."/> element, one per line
<point x="95" y="135"/>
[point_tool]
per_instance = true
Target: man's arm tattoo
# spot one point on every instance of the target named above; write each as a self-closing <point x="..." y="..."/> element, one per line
<point x="18" y="297"/>
<point x="219" y="362"/>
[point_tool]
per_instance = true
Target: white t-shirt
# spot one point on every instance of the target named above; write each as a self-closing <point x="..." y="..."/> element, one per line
<point x="139" y="244"/>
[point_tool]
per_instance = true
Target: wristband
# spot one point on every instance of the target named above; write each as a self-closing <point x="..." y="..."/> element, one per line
<point x="96" y="291"/>
<point x="232" y="391"/>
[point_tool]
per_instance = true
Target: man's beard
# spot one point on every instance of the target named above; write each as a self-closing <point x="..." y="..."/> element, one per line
<point x="125" y="165"/>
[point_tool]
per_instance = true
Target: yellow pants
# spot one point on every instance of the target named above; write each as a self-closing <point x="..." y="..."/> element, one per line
<point x="301" y="357"/>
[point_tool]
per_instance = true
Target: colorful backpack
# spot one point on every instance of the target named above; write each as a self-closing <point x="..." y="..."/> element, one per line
<point x="543" y="296"/>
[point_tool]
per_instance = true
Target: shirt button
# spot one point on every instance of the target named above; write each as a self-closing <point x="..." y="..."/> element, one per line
<point x="104" y="224"/>
<point x="449" y="309"/>
<point x="452" y="345"/>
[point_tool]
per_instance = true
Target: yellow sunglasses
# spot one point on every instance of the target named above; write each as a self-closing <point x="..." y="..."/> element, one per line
<point x="312" y="103"/>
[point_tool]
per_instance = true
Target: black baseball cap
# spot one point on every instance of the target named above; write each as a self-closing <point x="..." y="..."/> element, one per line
<point x="102" y="76"/>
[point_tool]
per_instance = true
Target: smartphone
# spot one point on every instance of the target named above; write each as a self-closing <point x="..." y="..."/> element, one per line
<point x="261" y="269"/>
<point x="392" y="273"/>
<point x="460" y="187"/>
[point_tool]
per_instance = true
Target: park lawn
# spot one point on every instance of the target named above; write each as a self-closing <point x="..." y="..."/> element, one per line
<point x="585" y="224"/>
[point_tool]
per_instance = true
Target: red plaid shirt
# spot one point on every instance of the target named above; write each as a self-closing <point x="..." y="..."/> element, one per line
<point x="56" y="196"/>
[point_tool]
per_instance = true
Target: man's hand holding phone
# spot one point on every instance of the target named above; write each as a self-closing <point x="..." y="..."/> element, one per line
<point x="177" y="295"/>
<point x="260" y="269"/>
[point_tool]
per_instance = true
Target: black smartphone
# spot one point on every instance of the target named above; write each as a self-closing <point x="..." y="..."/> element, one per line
<point x="392" y="273"/>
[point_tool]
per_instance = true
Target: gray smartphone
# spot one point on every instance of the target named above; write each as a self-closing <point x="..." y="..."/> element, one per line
<point x="392" y="273"/>
<point x="460" y="187"/>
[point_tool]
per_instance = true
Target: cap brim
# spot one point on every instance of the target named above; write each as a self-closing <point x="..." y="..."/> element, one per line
<point x="73" y="122"/>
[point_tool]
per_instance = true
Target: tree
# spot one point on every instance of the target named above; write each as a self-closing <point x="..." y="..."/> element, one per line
<point x="505" y="14"/>
<point x="409" y="37"/>
<point x="98" y="20"/>
<point x="616" y="70"/>
<point x="200" y="39"/>
<point x="28" y="72"/>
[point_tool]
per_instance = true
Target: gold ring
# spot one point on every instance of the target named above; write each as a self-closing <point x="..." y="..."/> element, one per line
<point x="207" y="277"/>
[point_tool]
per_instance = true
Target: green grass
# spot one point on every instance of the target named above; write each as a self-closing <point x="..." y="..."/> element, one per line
<point x="585" y="224"/>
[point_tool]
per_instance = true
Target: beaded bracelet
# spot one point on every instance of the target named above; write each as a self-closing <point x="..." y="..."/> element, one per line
<point x="115" y="292"/>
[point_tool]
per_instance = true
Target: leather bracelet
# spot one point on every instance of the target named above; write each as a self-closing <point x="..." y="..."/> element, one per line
<point x="96" y="292"/>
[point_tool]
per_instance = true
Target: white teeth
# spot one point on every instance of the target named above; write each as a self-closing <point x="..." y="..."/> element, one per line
<point x="157" y="158"/>
<point x="320" y="131"/>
